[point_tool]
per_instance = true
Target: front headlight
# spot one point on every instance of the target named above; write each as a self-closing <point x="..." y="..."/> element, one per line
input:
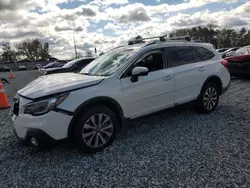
<point x="44" y="106"/>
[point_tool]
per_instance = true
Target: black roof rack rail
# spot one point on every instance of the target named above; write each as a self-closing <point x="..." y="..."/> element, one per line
<point x="161" y="38"/>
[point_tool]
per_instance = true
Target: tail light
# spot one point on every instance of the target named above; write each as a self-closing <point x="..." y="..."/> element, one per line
<point x="224" y="63"/>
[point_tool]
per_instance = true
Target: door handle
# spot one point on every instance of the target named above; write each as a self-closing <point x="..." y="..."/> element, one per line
<point x="169" y="77"/>
<point x="202" y="69"/>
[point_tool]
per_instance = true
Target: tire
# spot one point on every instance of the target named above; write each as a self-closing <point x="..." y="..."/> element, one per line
<point x="88" y="128"/>
<point x="209" y="93"/>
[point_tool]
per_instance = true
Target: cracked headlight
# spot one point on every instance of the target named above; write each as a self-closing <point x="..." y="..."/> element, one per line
<point x="44" y="106"/>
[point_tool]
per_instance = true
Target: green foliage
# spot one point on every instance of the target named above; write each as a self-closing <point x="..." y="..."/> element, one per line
<point x="33" y="49"/>
<point x="220" y="38"/>
<point x="28" y="49"/>
<point x="8" y="55"/>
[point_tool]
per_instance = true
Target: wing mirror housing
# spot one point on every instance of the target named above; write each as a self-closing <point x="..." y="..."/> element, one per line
<point x="138" y="71"/>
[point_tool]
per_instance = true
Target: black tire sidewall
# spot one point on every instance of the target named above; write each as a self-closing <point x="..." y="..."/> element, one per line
<point x="79" y="126"/>
<point x="200" y="103"/>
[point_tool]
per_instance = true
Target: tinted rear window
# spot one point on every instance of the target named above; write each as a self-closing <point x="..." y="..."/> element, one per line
<point x="204" y="53"/>
<point x="181" y="55"/>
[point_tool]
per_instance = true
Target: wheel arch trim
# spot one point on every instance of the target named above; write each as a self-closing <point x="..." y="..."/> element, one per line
<point x="211" y="78"/>
<point x="93" y="101"/>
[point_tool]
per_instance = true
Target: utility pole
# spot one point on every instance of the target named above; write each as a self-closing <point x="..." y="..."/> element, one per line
<point x="75" y="42"/>
<point x="75" y="46"/>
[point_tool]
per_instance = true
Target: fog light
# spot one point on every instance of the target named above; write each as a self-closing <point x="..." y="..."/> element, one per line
<point x="34" y="141"/>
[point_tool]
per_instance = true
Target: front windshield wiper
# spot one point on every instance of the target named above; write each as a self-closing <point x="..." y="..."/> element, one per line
<point x="88" y="74"/>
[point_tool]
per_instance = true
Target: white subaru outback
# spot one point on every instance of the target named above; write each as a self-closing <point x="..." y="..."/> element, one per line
<point x="125" y="83"/>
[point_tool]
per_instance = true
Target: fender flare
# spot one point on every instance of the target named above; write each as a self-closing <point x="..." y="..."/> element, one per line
<point x="109" y="102"/>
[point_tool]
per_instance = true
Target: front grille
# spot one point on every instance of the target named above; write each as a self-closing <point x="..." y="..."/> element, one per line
<point x="15" y="106"/>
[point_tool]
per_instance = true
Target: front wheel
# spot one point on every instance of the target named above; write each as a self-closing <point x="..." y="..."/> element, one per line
<point x="208" y="99"/>
<point x="96" y="130"/>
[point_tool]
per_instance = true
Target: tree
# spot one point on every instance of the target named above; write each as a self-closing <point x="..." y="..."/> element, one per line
<point x="225" y="37"/>
<point x="8" y="54"/>
<point x="44" y="52"/>
<point x="32" y="49"/>
<point x="246" y="39"/>
<point x="88" y="53"/>
<point x="138" y="37"/>
<point x="242" y="33"/>
<point x="135" y="40"/>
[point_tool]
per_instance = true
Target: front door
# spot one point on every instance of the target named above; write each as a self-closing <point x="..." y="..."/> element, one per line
<point x="152" y="92"/>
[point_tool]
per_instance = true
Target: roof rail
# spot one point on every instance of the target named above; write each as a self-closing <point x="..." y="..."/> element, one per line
<point x="161" y="38"/>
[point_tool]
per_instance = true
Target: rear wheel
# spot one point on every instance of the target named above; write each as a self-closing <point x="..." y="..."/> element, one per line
<point x="96" y="130"/>
<point x="208" y="99"/>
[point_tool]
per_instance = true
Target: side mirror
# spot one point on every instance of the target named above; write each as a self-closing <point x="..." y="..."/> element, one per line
<point x="138" y="71"/>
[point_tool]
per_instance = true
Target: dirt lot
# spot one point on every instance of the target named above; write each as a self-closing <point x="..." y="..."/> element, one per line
<point x="177" y="148"/>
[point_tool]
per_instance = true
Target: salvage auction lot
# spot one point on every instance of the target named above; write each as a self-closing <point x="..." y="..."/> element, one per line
<point x="176" y="148"/>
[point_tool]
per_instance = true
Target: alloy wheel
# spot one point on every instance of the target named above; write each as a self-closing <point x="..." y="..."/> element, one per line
<point x="210" y="98"/>
<point x="97" y="130"/>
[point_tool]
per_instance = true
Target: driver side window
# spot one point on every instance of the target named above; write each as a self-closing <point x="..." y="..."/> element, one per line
<point x="153" y="61"/>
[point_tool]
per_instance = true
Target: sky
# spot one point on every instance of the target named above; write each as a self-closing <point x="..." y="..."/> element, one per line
<point x="105" y="24"/>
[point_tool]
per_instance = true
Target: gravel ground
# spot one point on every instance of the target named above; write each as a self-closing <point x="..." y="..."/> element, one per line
<point x="177" y="148"/>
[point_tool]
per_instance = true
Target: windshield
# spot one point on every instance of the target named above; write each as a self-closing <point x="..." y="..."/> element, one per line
<point x="222" y="50"/>
<point x="49" y="64"/>
<point x="108" y="63"/>
<point x="70" y="63"/>
<point x="242" y="51"/>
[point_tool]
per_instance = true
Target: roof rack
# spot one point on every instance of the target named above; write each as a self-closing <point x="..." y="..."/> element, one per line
<point x="161" y="38"/>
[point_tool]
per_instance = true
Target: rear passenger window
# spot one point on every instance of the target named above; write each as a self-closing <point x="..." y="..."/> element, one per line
<point x="181" y="55"/>
<point x="197" y="58"/>
<point x="204" y="53"/>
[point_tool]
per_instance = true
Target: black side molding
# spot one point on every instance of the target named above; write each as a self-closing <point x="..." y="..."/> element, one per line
<point x="66" y="112"/>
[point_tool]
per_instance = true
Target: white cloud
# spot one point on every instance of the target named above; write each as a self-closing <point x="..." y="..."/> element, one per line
<point x="188" y="4"/>
<point x="55" y="25"/>
<point x="131" y="13"/>
<point x="109" y="2"/>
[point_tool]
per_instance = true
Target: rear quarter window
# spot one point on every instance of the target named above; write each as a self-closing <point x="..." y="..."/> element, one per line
<point x="204" y="53"/>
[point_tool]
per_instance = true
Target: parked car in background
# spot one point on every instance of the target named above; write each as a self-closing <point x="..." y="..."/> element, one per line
<point x="51" y="65"/>
<point x="123" y="84"/>
<point x="239" y="64"/>
<point x="4" y="69"/>
<point x="37" y="66"/>
<point x="221" y="50"/>
<point x="233" y="50"/>
<point x="229" y="54"/>
<point x="22" y="67"/>
<point x="54" y="64"/>
<point x="72" y="66"/>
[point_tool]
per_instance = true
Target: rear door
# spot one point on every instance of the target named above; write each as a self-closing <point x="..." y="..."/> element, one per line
<point x="190" y="72"/>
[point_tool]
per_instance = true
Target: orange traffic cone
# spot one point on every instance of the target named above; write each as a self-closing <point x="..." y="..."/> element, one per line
<point x="4" y="103"/>
<point x="12" y="76"/>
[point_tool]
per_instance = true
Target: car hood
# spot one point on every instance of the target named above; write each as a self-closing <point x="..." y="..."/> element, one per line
<point x="242" y="58"/>
<point x="57" y="83"/>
